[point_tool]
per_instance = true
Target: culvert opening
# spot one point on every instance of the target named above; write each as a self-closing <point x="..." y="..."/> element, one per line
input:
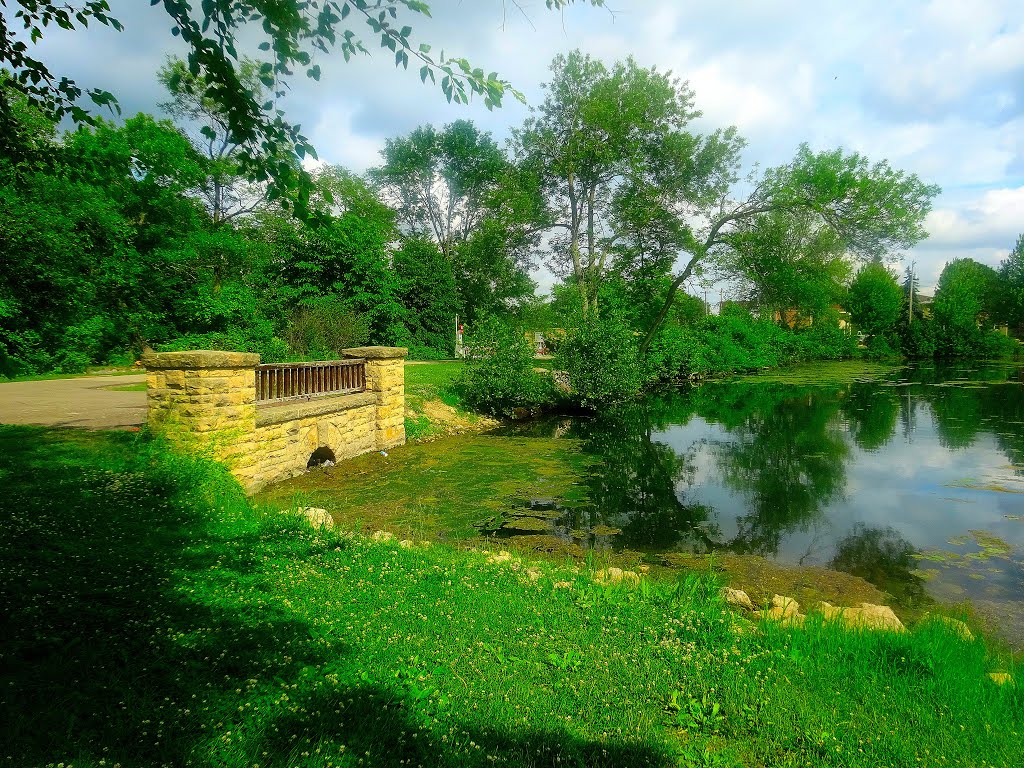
<point x="321" y="457"/>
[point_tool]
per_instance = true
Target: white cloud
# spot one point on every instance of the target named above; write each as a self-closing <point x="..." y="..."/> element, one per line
<point x="936" y="88"/>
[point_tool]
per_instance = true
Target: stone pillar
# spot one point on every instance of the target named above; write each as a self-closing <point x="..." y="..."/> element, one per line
<point x="385" y="377"/>
<point x="203" y="399"/>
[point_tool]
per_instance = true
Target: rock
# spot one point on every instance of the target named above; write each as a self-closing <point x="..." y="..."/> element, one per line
<point x="1001" y="678"/>
<point x="955" y="626"/>
<point x="318" y="518"/>
<point x="784" y="610"/>
<point x="616" y="576"/>
<point x="868" y="616"/>
<point x="787" y="605"/>
<point x="829" y="612"/>
<point x="737" y="598"/>
<point x="863" y="616"/>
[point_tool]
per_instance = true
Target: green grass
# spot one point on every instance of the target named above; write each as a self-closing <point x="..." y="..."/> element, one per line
<point x="433" y="381"/>
<point x="140" y="387"/>
<point x="152" y="616"/>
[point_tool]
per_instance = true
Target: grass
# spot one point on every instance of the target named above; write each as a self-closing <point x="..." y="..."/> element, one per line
<point x="140" y="387"/>
<point x="153" y="616"/>
<point x="426" y="386"/>
<point x="433" y="381"/>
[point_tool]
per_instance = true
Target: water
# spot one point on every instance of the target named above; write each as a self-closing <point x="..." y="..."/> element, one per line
<point x="913" y="480"/>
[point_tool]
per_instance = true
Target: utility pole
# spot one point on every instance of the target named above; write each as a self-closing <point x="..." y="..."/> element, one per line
<point x="910" y="306"/>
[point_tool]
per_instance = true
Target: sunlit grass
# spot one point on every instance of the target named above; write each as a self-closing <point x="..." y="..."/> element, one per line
<point x="153" y="616"/>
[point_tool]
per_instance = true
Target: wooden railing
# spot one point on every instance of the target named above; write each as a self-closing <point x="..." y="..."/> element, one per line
<point x="293" y="381"/>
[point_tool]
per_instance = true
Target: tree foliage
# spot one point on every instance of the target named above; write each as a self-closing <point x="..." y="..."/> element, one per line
<point x="876" y="301"/>
<point x="608" y="144"/>
<point x="291" y="33"/>
<point x="456" y="187"/>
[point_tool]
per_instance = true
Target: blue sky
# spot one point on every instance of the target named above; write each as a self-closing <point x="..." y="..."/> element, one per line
<point x="936" y="88"/>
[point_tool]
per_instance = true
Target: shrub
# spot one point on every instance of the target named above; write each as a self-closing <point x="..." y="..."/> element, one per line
<point x="995" y="345"/>
<point x="600" y="357"/>
<point x="258" y="338"/>
<point x="499" y="376"/>
<point x="322" y="327"/>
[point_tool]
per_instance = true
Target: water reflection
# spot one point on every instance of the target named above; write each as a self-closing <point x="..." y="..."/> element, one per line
<point x="863" y="476"/>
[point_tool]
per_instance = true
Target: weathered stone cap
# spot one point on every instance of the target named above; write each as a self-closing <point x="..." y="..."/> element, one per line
<point x="199" y="359"/>
<point x="376" y="353"/>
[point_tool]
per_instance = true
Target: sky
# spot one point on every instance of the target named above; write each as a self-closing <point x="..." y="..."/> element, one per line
<point x="936" y="88"/>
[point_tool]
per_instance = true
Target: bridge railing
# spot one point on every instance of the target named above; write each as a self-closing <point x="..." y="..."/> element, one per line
<point x="292" y="381"/>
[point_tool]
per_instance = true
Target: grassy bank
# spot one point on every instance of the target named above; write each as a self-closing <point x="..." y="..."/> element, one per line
<point x="432" y="406"/>
<point x="152" y="616"/>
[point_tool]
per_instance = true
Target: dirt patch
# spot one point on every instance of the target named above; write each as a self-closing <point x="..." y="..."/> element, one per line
<point x="445" y="420"/>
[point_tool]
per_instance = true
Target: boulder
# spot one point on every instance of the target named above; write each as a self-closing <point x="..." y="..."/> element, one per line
<point x="863" y="616"/>
<point x="616" y="576"/>
<point x="737" y="598"/>
<point x="318" y="518"/>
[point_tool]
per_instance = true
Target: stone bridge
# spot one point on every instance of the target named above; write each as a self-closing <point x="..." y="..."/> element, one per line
<point x="209" y="401"/>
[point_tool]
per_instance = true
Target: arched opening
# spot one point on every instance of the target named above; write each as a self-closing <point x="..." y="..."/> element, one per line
<point x="322" y="456"/>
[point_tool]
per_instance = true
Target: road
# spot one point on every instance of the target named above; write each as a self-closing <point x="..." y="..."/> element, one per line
<point x="85" y="402"/>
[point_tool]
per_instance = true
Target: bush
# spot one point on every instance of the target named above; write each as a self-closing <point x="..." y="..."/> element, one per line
<point x="499" y="376"/>
<point x="321" y="328"/>
<point x="824" y="340"/>
<point x="918" y="339"/>
<point x="600" y="357"/>
<point x="995" y="345"/>
<point x="258" y="338"/>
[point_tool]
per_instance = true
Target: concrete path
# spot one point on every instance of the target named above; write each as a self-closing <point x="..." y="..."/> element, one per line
<point x="86" y="402"/>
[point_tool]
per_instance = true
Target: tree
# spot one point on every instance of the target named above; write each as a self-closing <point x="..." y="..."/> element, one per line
<point x="786" y="261"/>
<point x="456" y="187"/>
<point x="294" y="32"/>
<point x="966" y="296"/>
<point x="876" y="301"/>
<point x="345" y="255"/>
<point x="225" y="192"/>
<point x="439" y="182"/>
<point x="606" y="144"/>
<point x="426" y="288"/>
<point x="1011" y="273"/>
<point x="871" y="209"/>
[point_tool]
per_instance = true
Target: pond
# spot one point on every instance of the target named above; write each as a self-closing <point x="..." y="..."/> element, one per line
<point x="910" y="478"/>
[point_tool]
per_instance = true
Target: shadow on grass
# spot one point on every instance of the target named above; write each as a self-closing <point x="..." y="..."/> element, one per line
<point x="121" y="638"/>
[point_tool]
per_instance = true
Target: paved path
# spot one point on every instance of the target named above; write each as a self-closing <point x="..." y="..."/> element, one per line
<point x="86" y="402"/>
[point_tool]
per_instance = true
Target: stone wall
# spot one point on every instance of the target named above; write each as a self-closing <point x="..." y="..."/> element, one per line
<point x="206" y="401"/>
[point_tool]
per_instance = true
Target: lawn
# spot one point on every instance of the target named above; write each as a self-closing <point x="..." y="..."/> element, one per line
<point x="153" y="616"/>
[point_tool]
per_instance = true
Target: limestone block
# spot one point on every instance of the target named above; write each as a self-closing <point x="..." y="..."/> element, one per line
<point x="737" y="598"/>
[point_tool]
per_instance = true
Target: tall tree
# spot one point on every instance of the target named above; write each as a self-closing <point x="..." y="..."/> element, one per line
<point x="225" y="191"/>
<point x="872" y="209"/>
<point x="966" y="298"/>
<point x="456" y="187"/>
<point x="786" y="261"/>
<point x="876" y="300"/>
<point x="606" y="143"/>
<point x="439" y="182"/>
<point x="1011" y="272"/>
